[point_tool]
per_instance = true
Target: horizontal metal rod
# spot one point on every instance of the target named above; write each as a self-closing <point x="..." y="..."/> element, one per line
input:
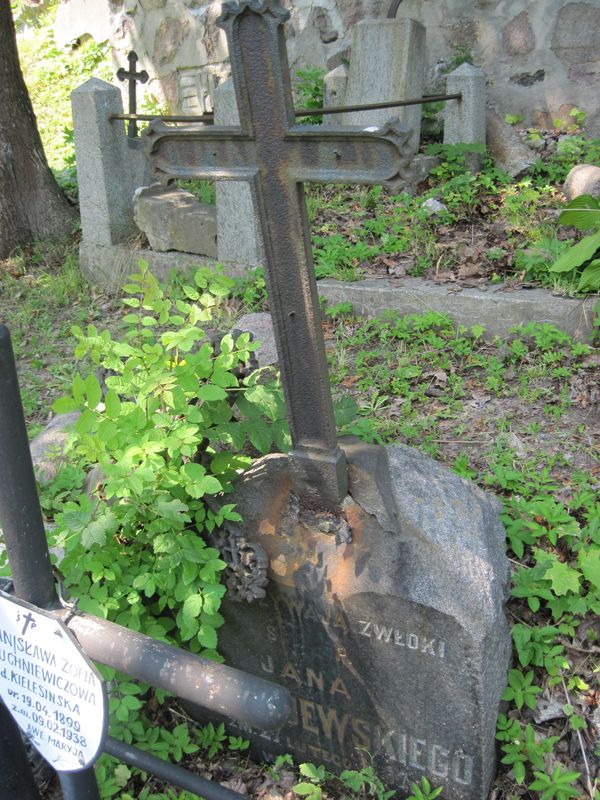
<point x="170" y="773"/>
<point x="208" y="118"/>
<point x="300" y="112"/>
<point x="213" y="686"/>
<point x="432" y="98"/>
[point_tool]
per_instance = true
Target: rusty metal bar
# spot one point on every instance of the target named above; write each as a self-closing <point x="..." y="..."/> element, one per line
<point x="208" y="118"/>
<point x="432" y="98"/>
<point x="300" y="112"/>
<point x="393" y="9"/>
<point x="213" y="686"/>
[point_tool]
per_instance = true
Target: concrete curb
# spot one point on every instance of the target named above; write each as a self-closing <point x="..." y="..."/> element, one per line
<point x="496" y="309"/>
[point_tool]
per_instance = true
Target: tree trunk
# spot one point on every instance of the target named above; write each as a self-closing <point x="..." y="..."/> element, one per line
<point x="31" y="203"/>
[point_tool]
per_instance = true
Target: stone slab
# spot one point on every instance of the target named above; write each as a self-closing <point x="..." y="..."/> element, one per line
<point x="387" y="63"/>
<point x="174" y="219"/>
<point x="239" y="239"/>
<point x="506" y="146"/>
<point x="497" y="310"/>
<point x="386" y="623"/>
<point x="260" y="326"/>
<point x="335" y="84"/>
<point x="109" y="266"/>
<point x="47" y="448"/>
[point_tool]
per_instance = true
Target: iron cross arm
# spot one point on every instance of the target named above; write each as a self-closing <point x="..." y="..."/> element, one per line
<point x="277" y="156"/>
<point x="308" y="153"/>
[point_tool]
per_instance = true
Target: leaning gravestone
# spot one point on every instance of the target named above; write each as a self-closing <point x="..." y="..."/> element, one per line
<point x="385" y="621"/>
<point x="387" y="63"/>
<point x="384" y="607"/>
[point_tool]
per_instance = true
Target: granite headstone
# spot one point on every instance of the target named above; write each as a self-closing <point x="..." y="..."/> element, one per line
<point x="385" y="622"/>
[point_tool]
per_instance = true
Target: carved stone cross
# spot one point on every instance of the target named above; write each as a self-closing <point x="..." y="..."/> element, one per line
<point x="133" y="77"/>
<point x="276" y="156"/>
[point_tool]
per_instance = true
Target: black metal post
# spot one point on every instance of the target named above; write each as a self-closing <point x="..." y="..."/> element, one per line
<point x="170" y="773"/>
<point x="16" y="777"/>
<point x="23" y="526"/>
<point x="20" y="514"/>
<point x="79" y="785"/>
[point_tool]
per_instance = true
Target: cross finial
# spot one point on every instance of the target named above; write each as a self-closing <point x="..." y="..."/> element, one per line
<point x="133" y="77"/>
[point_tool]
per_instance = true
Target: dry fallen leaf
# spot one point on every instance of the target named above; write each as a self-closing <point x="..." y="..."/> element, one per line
<point x="469" y="270"/>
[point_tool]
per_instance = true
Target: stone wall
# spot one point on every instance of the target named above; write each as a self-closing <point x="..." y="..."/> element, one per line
<point x="540" y="58"/>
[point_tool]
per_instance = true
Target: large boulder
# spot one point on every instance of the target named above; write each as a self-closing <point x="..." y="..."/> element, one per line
<point x="582" y="179"/>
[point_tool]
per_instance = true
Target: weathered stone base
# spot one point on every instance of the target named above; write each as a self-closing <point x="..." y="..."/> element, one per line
<point x="109" y="265"/>
<point x="386" y="624"/>
<point x="497" y="310"/>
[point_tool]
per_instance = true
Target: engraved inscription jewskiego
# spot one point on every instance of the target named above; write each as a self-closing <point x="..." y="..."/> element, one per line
<point x="324" y="707"/>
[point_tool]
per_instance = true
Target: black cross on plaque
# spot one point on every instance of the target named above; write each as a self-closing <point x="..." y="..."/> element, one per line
<point x="29" y="620"/>
<point x="133" y="77"/>
<point x="276" y="156"/>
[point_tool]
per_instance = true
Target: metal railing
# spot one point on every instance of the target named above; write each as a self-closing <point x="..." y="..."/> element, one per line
<point x="298" y="112"/>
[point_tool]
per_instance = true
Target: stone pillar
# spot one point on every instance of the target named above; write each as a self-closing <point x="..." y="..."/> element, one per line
<point x="103" y="164"/>
<point x="464" y="120"/>
<point x="239" y="244"/>
<point x="336" y="84"/>
<point x="387" y="63"/>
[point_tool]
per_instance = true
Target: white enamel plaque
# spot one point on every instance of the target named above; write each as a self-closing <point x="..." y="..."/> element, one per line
<point x="53" y="691"/>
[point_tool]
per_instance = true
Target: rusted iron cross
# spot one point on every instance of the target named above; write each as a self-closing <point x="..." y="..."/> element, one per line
<point x="276" y="156"/>
<point x="133" y="77"/>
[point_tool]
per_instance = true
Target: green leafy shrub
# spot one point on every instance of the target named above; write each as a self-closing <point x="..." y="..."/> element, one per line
<point x="572" y="150"/>
<point x="162" y="431"/>
<point x="362" y="783"/>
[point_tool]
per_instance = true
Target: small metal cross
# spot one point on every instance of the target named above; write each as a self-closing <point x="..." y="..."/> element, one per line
<point x="133" y="77"/>
<point x="276" y="156"/>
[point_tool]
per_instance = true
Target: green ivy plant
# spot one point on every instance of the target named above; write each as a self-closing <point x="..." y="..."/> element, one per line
<point x="362" y="783"/>
<point x="309" y="88"/>
<point x="523" y="749"/>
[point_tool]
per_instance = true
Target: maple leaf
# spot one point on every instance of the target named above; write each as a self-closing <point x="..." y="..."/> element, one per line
<point x="563" y="578"/>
